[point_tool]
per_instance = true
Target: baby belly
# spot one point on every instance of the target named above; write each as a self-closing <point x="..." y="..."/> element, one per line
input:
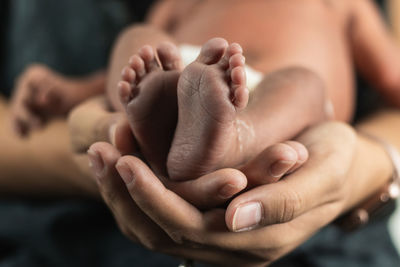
<point x="276" y="36"/>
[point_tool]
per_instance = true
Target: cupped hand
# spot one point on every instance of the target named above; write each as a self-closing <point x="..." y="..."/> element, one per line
<point x="281" y="215"/>
<point x="92" y="122"/>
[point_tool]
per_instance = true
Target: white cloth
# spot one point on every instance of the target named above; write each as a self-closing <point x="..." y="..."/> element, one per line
<point x="190" y="52"/>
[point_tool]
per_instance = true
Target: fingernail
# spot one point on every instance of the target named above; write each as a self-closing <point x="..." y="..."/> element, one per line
<point x="279" y="168"/>
<point x="227" y="191"/>
<point x="247" y="216"/>
<point x="111" y="133"/>
<point x="302" y="155"/>
<point x="125" y="172"/>
<point x="95" y="162"/>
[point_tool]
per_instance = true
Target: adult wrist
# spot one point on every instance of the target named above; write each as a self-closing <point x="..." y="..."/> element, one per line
<point x="380" y="203"/>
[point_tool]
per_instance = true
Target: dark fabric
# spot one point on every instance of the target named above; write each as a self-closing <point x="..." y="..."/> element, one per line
<point x="74" y="37"/>
<point x="331" y="247"/>
<point x="67" y="233"/>
<point x="82" y="233"/>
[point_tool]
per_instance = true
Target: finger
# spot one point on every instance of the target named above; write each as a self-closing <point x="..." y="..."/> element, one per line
<point x="211" y="190"/>
<point x="319" y="181"/>
<point x="278" y="202"/>
<point x="167" y="209"/>
<point x="92" y="122"/>
<point x="48" y="101"/>
<point x="24" y="121"/>
<point x="136" y="225"/>
<point x="302" y="155"/>
<point x="133" y="223"/>
<point x="271" y="165"/>
<point x="22" y="117"/>
<point x="181" y="221"/>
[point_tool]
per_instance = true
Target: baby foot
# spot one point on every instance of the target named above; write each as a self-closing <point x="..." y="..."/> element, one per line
<point x="211" y="91"/>
<point x="148" y="92"/>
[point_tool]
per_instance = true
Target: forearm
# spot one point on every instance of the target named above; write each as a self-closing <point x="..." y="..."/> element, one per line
<point x="372" y="167"/>
<point x="42" y="165"/>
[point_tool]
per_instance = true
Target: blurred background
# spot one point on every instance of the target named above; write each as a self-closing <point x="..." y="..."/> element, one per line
<point x="74" y="37"/>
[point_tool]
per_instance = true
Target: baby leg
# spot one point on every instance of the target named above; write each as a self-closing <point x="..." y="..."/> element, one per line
<point x="283" y="104"/>
<point x="375" y="51"/>
<point x="214" y="131"/>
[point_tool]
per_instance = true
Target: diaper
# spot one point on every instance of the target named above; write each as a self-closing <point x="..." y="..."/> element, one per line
<point x="190" y="52"/>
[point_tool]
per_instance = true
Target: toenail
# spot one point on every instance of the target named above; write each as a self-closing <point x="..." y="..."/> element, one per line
<point x="247" y="216"/>
<point x="95" y="162"/>
<point x="279" y="168"/>
<point x="125" y="172"/>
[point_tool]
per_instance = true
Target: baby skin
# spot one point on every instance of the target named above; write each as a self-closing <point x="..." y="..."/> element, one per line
<point x="215" y="126"/>
<point x="308" y="74"/>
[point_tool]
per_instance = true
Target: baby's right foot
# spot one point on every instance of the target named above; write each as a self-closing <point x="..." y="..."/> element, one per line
<point x="148" y="92"/>
<point x="211" y="92"/>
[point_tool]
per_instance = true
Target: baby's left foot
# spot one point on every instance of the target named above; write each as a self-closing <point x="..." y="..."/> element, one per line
<point x="148" y="93"/>
<point x="211" y="91"/>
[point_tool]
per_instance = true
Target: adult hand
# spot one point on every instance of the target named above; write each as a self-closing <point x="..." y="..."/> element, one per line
<point x="293" y="208"/>
<point x="92" y="122"/>
<point x="41" y="94"/>
<point x="29" y="95"/>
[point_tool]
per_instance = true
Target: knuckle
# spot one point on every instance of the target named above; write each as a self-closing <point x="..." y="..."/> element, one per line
<point x="109" y="196"/>
<point x="34" y="70"/>
<point x="178" y="236"/>
<point x="186" y="238"/>
<point x="292" y="204"/>
<point x="155" y="244"/>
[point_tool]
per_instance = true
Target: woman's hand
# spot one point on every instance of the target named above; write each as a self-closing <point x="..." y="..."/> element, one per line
<point x="285" y="213"/>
